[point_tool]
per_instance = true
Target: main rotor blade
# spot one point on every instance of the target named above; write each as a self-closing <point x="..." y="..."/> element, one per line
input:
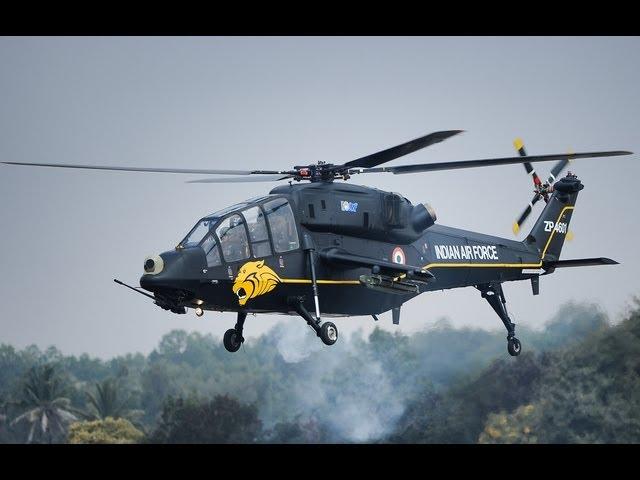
<point x="152" y="170"/>
<point x="265" y="178"/>
<point x="399" y="150"/>
<point x="488" y="162"/>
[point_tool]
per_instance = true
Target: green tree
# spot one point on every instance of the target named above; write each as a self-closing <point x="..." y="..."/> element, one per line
<point x="48" y="410"/>
<point x="110" y="401"/>
<point x="310" y="431"/>
<point x="592" y="393"/>
<point x="108" y="430"/>
<point x="221" y="420"/>
<point x="517" y="427"/>
<point x="459" y="414"/>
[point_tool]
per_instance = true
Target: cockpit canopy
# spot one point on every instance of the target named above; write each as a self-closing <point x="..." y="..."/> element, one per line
<point x="256" y="228"/>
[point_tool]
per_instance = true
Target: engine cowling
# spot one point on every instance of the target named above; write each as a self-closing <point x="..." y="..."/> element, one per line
<point x="422" y="217"/>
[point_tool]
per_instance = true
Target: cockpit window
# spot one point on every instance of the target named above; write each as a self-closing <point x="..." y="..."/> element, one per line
<point x="195" y="236"/>
<point x="257" y="232"/>
<point x="282" y="225"/>
<point x="233" y="208"/>
<point x="210" y="247"/>
<point x="233" y="239"/>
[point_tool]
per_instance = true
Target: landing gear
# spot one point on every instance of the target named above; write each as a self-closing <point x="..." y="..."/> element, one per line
<point x="199" y="312"/>
<point x="233" y="337"/>
<point x="232" y="340"/>
<point x="513" y="346"/>
<point x="493" y="294"/>
<point x="327" y="332"/>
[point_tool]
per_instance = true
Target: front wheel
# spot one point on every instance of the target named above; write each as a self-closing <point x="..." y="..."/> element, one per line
<point x="328" y="333"/>
<point x="232" y="340"/>
<point x="514" y="347"/>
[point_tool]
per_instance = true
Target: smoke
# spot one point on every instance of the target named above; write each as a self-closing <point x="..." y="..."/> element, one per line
<point x="367" y="408"/>
<point x="294" y="343"/>
<point x="344" y="386"/>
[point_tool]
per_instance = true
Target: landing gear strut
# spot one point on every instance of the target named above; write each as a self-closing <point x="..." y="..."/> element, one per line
<point x="493" y="294"/>
<point x="233" y="337"/>
<point x="327" y="332"/>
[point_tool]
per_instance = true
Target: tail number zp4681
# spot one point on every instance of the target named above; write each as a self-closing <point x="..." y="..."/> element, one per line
<point x="559" y="227"/>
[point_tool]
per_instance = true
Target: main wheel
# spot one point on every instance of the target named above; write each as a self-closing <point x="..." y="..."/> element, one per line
<point x="328" y="333"/>
<point x="232" y="340"/>
<point x="513" y="346"/>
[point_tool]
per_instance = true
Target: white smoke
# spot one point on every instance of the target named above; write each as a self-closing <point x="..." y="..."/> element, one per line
<point x="341" y="385"/>
<point x="295" y="343"/>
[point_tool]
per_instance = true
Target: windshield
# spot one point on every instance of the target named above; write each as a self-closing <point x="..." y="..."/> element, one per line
<point x="231" y="234"/>
<point x="204" y="226"/>
<point x="195" y="236"/>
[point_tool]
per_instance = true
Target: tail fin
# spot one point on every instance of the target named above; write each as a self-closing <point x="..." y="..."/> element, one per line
<point x="550" y="230"/>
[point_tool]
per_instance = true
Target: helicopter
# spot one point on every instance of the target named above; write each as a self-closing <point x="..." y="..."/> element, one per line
<point x="320" y="247"/>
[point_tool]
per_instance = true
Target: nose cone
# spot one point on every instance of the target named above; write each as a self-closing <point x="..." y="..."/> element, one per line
<point x="174" y="270"/>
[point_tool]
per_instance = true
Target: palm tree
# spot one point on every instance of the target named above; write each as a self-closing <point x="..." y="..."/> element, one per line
<point x="48" y="411"/>
<point x="108" y="402"/>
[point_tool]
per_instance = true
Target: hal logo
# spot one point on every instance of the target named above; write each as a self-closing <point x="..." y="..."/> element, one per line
<point x="559" y="227"/>
<point x="351" y="207"/>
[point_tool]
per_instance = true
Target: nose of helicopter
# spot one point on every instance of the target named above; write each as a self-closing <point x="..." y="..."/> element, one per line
<point x="173" y="270"/>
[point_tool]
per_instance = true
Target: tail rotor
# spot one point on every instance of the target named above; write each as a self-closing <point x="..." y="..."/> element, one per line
<point x="541" y="190"/>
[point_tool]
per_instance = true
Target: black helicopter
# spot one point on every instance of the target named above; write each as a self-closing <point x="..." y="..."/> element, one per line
<point x="325" y="246"/>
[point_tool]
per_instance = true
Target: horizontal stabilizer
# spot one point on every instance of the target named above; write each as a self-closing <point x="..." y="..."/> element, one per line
<point x="580" y="262"/>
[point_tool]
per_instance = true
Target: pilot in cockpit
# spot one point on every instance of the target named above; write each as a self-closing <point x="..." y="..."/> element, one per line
<point x="235" y="244"/>
<point x="279" y="232"/>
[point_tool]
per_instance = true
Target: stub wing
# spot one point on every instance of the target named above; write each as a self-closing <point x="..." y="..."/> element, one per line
<point x="340" y="257"/>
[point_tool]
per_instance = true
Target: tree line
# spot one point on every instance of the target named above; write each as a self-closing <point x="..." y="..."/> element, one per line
<point x="577" y="381"/>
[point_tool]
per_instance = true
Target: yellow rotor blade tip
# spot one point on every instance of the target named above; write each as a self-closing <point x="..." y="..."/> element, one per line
<point x="515" y="228"/>
<point x="570" y="235"/>
<point x="518" y="143"/>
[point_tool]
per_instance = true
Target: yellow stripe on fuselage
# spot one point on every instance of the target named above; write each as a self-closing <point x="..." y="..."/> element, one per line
<point x="446" y="265"/>
<point x="497" y="265"/>
<point x="321" y="282"/>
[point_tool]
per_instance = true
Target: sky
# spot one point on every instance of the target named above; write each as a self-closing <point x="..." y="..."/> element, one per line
<point x="275" y="102"/>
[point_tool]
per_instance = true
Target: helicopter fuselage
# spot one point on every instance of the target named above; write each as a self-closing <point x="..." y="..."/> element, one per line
<point x="355" y="220"/>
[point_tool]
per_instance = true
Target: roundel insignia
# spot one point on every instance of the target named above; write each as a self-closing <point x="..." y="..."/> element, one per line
<point x="398" y="255"/>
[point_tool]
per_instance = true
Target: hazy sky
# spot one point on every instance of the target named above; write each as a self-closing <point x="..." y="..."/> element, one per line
<point x="256" y="103"/>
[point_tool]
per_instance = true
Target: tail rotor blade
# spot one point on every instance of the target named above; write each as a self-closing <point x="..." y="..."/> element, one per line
<point x="525" y="214"/>
<point x="556" y="170"/>
<point x="519" y="146"/>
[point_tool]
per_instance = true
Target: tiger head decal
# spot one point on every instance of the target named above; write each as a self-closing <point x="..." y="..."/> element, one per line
<point x="254" y="279"/>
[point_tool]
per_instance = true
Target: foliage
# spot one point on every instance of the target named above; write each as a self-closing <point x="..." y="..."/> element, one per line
<point x="511" y="428"/>
<point x="107" y="430"/>
<point x="221" y="420"/>
<point x="311" y="431"/>
<point x="458" y="414"/>
<point x="591" y="394"/>
<point x="48" y="411"/>
<point x="587" y="392"/>
<point x="439" y="385"/>
<point x="108" y="401"/>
